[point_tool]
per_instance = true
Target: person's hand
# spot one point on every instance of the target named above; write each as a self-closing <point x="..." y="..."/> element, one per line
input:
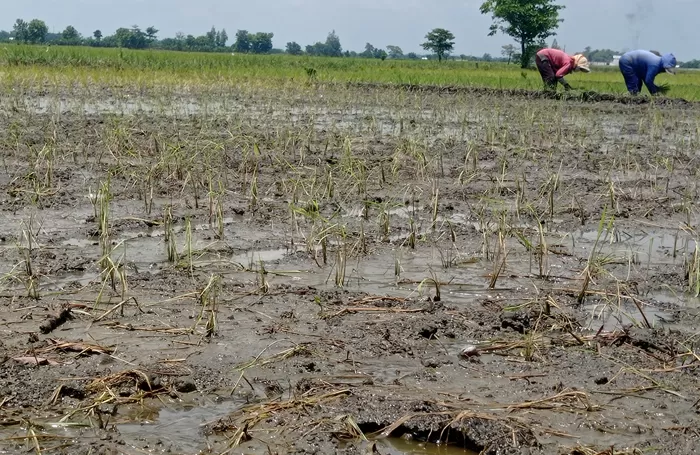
<point x="663" y="89"/>
<point x="567" y="87"/>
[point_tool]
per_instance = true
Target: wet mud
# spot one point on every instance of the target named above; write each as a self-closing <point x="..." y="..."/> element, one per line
<point x="347" y="269"/>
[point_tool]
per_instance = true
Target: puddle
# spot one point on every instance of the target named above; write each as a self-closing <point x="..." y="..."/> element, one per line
<point x="645" y="246"/>
<point x="614" y="318"/>
<point x="250" y="258"/>
<point x="399" y="446"/>
<point x="177" y="426"/>
<point x="668" y="297"/>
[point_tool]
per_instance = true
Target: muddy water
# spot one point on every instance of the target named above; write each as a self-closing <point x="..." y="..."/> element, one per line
<point x="383" y="342"/>
<point x="177" y="425"/>
<point x="397" y="446"/>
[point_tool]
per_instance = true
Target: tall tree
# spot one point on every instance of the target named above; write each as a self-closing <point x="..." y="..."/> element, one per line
<point x="221" y="38"/>
<point x="97" y="34"/>
<point x="333" y="47"/>
<point x="293" y="48"/>
<point x="211" y="36"/>
<point x="70" y="35"/>
<point x="132" y="38"/>
<point x="151" y="33"/>
<point x="369" y="51"/>
<point x="440" y="41"/>
<point x="394" y="51"/>
<point x="528" y="21"/>
<point x="36" y="31"/>
<point x="242" y="43"/>
<point x="261" y="43"/>
<point x="21" y="30"/>
<point x="508" y="51"/>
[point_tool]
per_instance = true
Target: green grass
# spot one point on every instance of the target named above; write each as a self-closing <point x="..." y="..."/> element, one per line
<point x="147" y="67"/>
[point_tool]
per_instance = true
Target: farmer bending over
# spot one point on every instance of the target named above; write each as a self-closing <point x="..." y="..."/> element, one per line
<point x="554" y="64"/>
<point x="642" y="67"/>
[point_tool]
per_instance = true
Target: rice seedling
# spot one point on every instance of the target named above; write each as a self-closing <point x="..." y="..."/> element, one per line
<point x="169" y="234"/>
<point x="435" y="281"/>
<point x="188" y="245"/>
<point x="596" y="262"/>
<point x="435" y="202"/>
<point x="549" y="190"/>
<point x="693" y="266"/>
<point x="103" y="199"/>
<point x="208" y="303"/>
<point x="341" y="258"/>
<point x="500" y="254"/>
<point x="27" y="249"/>
<point x="113" y="272"/>
<point x="261" y="277"/>
<point x="216" y="208"/>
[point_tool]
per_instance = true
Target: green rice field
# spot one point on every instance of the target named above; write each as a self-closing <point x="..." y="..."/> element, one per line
<point x="150" y="67"/>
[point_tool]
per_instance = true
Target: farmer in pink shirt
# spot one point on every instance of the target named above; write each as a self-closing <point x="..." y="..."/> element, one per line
<point x="554" y="64"/>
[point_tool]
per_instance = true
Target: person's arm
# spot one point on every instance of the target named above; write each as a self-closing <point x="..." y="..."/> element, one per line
<point x="563" y="82"/>
<point x="652" y="71"/>
<point x="563" y="71"/>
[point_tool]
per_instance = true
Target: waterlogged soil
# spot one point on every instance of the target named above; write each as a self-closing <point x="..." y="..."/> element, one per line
<point x="320" y="269"/>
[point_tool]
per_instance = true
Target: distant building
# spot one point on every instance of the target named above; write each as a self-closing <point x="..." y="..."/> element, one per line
<point x="615" y="62"/>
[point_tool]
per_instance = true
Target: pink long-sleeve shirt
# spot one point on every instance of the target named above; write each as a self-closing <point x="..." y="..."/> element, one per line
<point x="562" y="62"/>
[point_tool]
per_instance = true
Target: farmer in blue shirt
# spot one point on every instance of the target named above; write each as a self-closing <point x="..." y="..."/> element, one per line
<point x="641" y="67"/>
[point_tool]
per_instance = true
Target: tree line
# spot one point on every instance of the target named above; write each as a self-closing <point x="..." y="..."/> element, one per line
<point x="528" y="22"/>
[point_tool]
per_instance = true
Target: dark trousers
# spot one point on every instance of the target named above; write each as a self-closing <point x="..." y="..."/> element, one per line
<point x="632" y="79"/>
<point x="549" y="76"/>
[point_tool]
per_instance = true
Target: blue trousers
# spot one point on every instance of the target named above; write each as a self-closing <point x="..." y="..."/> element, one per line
<point x="633" y="80"/>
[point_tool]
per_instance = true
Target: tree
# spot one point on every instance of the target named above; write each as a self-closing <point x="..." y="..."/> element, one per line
<point x="369" y="51"/>
<point x="412" y="56"/>
<point x="221" y="38"/>
<point x="211" y="36"/>
<point x="555" y="44"/>
<point x="508" y="51"/>
<point x="261" y="43"/>
<point x="528" y="21"/>
<point x="487" y="58"/>
<point x="21" y="30"/>
<point x="600" y="55"/>
<point x="394" y="51"/>
<point x="440" y="42"/>
<point x="333" y="47"/>
<point x="316" y="49"/>
<point x="132" y="38"/>
<point x="242" y="43"/>
<point x="97" y="34"/>
<point x="293" y="48"/>
<point x="36" y="31"/>
<point x="70" y="35"/>
<point x="151" y="33"/>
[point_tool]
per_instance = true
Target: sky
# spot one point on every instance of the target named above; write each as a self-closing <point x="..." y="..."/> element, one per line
<point x="663" y="25"/>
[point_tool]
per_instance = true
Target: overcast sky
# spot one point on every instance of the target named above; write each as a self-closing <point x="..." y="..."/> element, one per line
<point x="664" y="25"/>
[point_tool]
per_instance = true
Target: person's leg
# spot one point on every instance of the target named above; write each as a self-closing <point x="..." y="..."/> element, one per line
<point x="549" y="76"/>
<point x="633" y="83"/>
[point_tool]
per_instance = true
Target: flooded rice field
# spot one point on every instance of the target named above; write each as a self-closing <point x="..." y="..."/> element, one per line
<point x="327" y="269"/>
